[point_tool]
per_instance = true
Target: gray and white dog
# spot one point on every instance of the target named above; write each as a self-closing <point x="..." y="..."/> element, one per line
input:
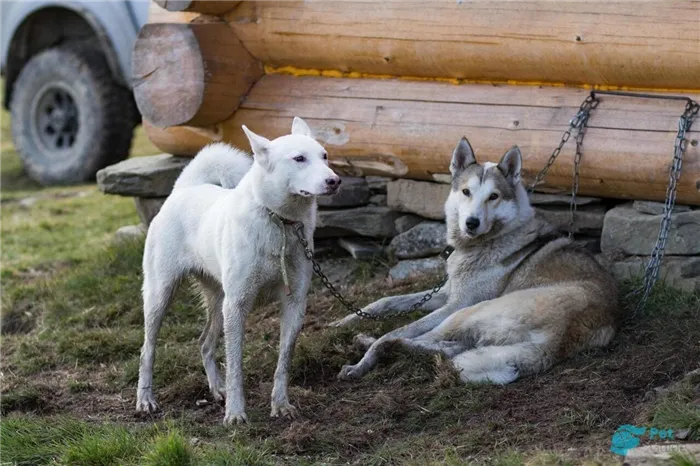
<point x="519" y="298"/>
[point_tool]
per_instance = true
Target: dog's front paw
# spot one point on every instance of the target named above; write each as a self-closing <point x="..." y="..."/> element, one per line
<point x="345" y="321"/>
<point x="145" y="403"/>
<point x="284" y="410"/>
<point x="349" y="372"/>
<point x="235" y="419"/>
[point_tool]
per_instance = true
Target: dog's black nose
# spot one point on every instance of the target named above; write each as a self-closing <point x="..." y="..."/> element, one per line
<point x="335" y="181"/>
<point x="473" y="223"/>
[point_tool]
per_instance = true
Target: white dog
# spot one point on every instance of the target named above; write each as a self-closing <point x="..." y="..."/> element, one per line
<point x="232" y="241"/>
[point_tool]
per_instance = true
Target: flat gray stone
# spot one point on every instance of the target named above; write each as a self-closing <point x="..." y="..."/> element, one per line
<point x="423" y="240"/>
<point x="409" y="270"/>
<point x="361" y="248"/>
<point x="676" y="271"/>
<point x="148" y="207"/>
<point x="152" y="176"/>
<point x="662" y="453"/>
<point x="378" y="199"/>
<point x="372" y="221"/>
<point x="418" y="197"/>
<point x="657" y="208"/>
<point x="635" y="233"/>
<point x="406" y="222"/>
<point x="353" y="192"/>
<point x="589" y="219"/>
<point x="560" y="199"/>
<point x="130" y="232"/>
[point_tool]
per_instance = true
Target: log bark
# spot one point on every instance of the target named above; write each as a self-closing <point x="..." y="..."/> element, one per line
<point x="209" y="7"/>
<point x="190" y="74"/>
<point x="408" y="129"/>
<point x="650" y="44"/>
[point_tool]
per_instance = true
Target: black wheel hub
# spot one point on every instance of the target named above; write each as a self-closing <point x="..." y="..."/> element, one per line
<point x="56" y="118"/>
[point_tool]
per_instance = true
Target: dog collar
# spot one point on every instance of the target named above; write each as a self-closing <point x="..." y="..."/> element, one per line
<point x="281" y="221"/>
<point x="447" y="252"/>
<point x="278" y="218"/>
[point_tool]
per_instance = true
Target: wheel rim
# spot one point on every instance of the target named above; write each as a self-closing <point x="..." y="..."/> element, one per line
<point x="55" y="118"/>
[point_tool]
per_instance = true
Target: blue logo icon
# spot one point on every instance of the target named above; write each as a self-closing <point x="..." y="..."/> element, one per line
<point x="627" y="436"/>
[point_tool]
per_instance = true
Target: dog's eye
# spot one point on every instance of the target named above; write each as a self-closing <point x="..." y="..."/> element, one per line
<point x="300" y="158"/>
<point x="493" y="196"/>
<point x="467" y="192"/>
<point x="325" y="156"/>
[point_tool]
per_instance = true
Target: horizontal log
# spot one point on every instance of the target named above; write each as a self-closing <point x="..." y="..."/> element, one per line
<point x="408" y="129"/>
<point x="650" y="44"/>
<point x="209" y="7"/>
<point x="193" y="74"/>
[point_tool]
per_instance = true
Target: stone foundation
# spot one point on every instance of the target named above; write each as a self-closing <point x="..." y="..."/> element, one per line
<point x="404" y="221"/>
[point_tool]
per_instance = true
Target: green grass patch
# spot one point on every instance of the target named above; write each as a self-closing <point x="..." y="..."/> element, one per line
<point x="170" y="449"/>
<point x="679" y="408"/>
<point x="57" y="440"/>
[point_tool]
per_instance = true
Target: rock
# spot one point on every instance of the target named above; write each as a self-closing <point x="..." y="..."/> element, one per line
<point x="589" y="219"/>
<point x="662" y="454"/>
<point x="410" y="270"/>
<point x="677" y="272"/>
<point x="372" y="221"/>
<point x="152" y="176"/>
<point x="377" y="184"/>
<point x="378" y="199"/>
<point x="418" y="197"/>
<point x="590" y="243"/>
<point x="148" y="207"/>
<point x="657" y="208"/>
<point x="635" y="233"/>
<point x="561" y="199"/>
<point x="130" y="232"/>
<point x="361" y="248"/>
<point x="423" y="240"/>
<point x="406" y="222"/>
<point x="353" y="192"/>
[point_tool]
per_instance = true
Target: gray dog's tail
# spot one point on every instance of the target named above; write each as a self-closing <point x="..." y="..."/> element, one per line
<point x="220" y="164"/>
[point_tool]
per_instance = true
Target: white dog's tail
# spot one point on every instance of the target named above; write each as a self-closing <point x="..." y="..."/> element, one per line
<point x="220" y="164"/>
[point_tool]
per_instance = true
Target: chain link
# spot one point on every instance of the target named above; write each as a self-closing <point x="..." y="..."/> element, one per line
<point x="651" y="272"/>
<point x="579" y="123"/>
<point x="299" y="230"/>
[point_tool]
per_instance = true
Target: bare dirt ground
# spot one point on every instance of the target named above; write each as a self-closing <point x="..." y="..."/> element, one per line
<point x="410" y="409"/>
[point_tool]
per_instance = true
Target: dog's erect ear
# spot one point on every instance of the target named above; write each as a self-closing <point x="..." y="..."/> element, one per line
<point x="510" y="164"/>
<point x="300" y="127"/>
<point x="260" y="147"/>
<point x="462" y="157"/>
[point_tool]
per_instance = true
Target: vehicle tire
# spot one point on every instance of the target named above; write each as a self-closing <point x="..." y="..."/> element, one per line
<point x="69" y="117"/>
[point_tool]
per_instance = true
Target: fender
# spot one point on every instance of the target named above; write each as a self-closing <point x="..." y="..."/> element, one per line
<point x="114" y="23"/>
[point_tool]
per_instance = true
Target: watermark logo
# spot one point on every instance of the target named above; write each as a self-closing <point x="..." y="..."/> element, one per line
<point x="627" y="436"/>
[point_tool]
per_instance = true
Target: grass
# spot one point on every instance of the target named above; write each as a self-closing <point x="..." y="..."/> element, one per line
<point x="72" y="328"/>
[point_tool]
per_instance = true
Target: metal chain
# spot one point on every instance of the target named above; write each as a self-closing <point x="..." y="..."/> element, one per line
<point x="651" y="272"/>
<point x="299" y="230"/>
<point x="579" y="123"/>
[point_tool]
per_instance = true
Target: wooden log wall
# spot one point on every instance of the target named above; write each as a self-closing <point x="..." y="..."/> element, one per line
<point x="408" y="127"/>
<point x="628" y="146"/>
